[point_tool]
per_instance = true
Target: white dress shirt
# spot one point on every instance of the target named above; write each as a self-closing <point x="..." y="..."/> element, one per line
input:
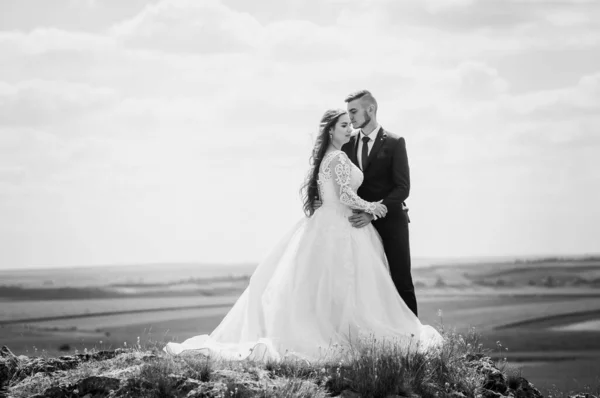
<point x="372" y="136"/>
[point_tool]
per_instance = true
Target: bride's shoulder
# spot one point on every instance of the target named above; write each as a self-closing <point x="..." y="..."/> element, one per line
<point x="337" y="155"/>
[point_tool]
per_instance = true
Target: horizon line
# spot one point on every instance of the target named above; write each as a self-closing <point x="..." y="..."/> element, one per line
<point x="445" y="259"/>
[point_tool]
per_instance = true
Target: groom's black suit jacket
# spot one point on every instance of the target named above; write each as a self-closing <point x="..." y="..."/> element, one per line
<point x="387" y="174"/>
<point x="387" y="178"/>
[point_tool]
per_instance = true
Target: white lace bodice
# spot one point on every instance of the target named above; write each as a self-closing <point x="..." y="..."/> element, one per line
<point x="338" y="182"/>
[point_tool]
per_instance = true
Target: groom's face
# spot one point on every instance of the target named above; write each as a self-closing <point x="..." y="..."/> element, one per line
<point x="358" y="114"/>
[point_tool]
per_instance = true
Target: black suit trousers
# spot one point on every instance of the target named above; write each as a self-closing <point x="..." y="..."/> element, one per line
<point x="393" y="230"/>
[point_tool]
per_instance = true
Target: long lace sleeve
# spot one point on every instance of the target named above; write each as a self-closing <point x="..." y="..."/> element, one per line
<point x="341" y="167"/>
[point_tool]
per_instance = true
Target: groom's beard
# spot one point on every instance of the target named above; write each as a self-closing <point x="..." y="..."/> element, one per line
<point x="367" y="120"/>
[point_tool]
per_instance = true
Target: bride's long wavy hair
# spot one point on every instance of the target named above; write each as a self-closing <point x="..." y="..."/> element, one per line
<point x="310" y="189"/>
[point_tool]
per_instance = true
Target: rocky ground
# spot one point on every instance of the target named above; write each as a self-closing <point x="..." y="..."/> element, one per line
<point x="150" y="373"/>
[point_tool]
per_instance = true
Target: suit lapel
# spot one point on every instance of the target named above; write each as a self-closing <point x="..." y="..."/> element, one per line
<point x="379" y="140"/>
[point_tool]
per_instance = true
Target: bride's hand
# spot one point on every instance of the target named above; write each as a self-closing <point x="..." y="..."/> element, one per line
<point x="380" y="210"/>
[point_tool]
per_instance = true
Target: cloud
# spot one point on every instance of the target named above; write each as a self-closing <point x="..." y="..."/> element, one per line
<point x="479" y="82"/>
<point x="579" y="100"/>
<point x="201" y="26"/>
<point x="559" y="119"/>
<point x="456" y="31"/>
<point x="191" y="106"/>
<point x="435" y="6"/>
<point x="40" y="102"/>
<point x="43" y="40"/>
<point x="305" y="42"/>
<point x="565" y="18"/>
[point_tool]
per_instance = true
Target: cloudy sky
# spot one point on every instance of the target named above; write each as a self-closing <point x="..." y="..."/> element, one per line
<point x="179" y="130"/>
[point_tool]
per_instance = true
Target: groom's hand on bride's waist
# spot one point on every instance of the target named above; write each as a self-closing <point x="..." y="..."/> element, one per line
<point x="360" y="219"/>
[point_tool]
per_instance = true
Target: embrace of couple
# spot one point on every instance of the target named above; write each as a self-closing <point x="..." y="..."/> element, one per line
<point x="342" y="272"/>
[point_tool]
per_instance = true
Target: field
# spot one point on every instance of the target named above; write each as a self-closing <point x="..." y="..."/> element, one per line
<point x="546" y="312"/>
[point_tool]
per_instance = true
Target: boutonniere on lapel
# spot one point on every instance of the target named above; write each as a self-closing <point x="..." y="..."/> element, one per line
<point x="383" y="152"/>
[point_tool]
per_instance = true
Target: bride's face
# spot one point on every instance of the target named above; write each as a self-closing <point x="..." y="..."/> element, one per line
<point x="342" y="131"/>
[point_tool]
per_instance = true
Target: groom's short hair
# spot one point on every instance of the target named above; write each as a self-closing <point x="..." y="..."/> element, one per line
<point x="364" y="95"/>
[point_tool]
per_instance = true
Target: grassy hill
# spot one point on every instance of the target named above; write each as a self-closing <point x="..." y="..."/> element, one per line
<point x="371" y="368"/>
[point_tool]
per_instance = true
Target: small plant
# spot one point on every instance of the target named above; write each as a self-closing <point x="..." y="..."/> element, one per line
<point x="295" y="388"/>
<point x="64" y="347"/>
<point x="293" y="368"/>
<point x="156" y="375"/>
<point x="234" y="389"/>
<point x="198" y="368"/>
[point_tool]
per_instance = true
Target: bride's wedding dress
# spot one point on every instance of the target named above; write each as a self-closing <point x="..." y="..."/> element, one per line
<point x="324" y="285"/>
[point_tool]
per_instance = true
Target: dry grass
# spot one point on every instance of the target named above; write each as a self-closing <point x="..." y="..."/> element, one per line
<point x="586" y="391"/>
<point x="371" y="368"/>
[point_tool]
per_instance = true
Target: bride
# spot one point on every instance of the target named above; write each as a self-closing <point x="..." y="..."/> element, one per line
<point x="326" y="283"/>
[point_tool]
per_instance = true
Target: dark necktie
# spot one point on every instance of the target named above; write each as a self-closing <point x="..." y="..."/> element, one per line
<point x="365" y="152"/>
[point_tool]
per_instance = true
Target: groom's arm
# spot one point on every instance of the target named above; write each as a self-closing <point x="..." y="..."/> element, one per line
<point x="400" y="175"/>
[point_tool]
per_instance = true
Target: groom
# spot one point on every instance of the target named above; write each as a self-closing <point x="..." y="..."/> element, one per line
<point x="382" y="157"/>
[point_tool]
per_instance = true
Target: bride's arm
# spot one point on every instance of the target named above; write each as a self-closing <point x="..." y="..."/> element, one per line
<point x="340" y="165"/>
